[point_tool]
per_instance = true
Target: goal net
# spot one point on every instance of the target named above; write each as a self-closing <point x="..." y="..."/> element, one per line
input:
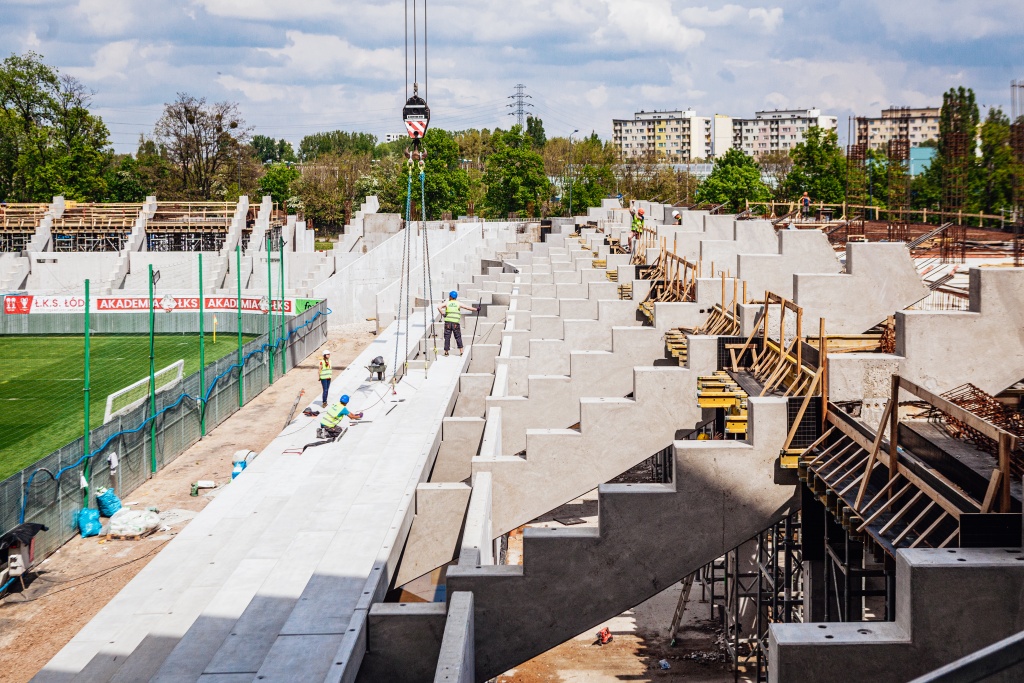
<point x="134" y="395"/>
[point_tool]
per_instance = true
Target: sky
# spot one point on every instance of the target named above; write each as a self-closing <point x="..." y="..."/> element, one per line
<point x="304" y="66"/>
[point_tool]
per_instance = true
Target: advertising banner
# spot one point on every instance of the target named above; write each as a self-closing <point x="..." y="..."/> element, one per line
<point x="24" y="304"/>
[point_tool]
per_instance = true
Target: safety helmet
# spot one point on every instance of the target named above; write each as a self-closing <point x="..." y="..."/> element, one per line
<point x="641" y="212"/>
<point x="327" y="352"/>
<point x="453" y="294"/>
<point x="344" y="398"/>
<point x="675" y="214"/>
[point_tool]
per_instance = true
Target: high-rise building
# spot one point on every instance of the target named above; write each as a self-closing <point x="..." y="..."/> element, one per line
<point x="776" y="130"/>
<point x="722" y="135"/>
<point x="914" y="125"/>
<point x="669" y="136"/>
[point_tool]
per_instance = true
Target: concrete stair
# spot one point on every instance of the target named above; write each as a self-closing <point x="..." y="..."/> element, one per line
<point x="941" y="349"/>
<point x="649" y="536"/>
<point x="880" y="278"/>
<point x="234" y="235"/>
<point x="136" y="242"/>
<point x="614" y="435"/>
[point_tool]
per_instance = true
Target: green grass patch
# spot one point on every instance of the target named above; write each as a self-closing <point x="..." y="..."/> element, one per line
<point x="324" y="246"/>
<point x="41" y="386"/>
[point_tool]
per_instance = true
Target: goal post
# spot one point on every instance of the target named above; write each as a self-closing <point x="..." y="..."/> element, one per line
<point x="134" y="395"/>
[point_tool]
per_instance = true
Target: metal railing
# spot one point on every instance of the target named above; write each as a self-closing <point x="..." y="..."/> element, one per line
<point x="982" y="665"/>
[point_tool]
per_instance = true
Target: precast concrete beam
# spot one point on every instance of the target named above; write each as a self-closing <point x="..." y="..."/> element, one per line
<point x="880" y="279"/>
<point x="649" y="536"/>
<point x="949" y="603"/>
<point x="798" y="251"/>
<point x="984" y="345"/>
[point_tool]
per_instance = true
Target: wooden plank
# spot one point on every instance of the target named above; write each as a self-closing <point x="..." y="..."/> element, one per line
<point x="953" y="410"/>
<point x="990" y="493"/>
<point x="880" y="511"/>
<point x="910" y="527"/>
<point x="873" y="453"/>
<point x="929" y="530"/>
<point x="803" y="409"/>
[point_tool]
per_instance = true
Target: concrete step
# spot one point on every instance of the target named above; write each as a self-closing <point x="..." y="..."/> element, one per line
<point x="649" y="536"/>
<point x="614" y="435"/>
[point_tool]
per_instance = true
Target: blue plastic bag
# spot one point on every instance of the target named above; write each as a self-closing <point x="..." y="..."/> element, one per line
<point x="89" y="522"/>
<point x="108" y="503"/>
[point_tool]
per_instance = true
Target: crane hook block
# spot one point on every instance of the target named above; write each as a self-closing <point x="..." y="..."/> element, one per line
<point x="416" y="115"/>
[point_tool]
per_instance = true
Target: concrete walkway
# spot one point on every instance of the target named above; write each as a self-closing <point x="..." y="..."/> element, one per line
<point x="275" y="577"/>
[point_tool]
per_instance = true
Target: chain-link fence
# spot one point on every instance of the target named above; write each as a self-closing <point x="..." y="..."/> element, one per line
<point x="51" y="491"/>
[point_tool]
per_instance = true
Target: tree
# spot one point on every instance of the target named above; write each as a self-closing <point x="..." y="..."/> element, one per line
<point x="277" y="182"/>
<point x="446" y="182"/>
<point x="49" y="141"/>
<point x="269" y="150"/>
<point x="819" y="168"/>
<point x="998" y="167"/>
<point x="202" y="141"/>
<point x="317" y="145"/>
<point x="954" y="162"/>
<point x="876" y="167"/>
<point x="515" y="177"/>
<point x="734" y="180"/>
<point x="535" y="131"/>
<point x="776" y="165"/>
<point x="125" y="183"/>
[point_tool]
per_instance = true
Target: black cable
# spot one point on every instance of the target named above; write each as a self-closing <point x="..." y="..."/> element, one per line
<point x="426" y="66"/>
<point x="415" y="48"/>
<point x="94" y="576"/>
<point x="406" y="50"/>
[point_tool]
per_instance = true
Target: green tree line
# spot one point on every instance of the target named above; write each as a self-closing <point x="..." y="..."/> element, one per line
<point x="51" y="143"/>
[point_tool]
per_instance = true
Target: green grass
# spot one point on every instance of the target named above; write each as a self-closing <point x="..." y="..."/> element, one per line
<point x="41" y="383"/>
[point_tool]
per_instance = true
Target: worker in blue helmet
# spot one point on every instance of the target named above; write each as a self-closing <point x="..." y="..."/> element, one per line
<point x="452" y="312"/>
<point x="330" y="421"/>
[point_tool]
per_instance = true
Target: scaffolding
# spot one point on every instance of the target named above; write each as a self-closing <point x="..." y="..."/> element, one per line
<point x="18" y="223"/>
<point x="189" y="226"/>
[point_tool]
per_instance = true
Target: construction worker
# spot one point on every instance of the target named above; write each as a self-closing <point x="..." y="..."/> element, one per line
<point x="452" y="312"/>
<point x="805" y="206"/>
<point x="677" y="218"/>
<point x="330" y="421"/>
<point x="324" y="370"/>
<point x="636" y="227"/>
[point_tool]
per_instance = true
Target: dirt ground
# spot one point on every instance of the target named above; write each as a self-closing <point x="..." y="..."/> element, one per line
<point x="73" y="584"/>
<point x="641" y="636"/>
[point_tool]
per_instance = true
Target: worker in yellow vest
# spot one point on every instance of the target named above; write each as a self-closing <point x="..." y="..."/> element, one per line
<point x="330" y="421"/>
<point x="452" y="312"/>
<point x="324" y="368"/>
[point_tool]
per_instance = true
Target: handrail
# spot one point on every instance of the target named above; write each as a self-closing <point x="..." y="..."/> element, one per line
<point x="980" y="665"/>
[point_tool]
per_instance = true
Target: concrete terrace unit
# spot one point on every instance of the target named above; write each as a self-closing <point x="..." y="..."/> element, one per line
<point x="750" y="408"/>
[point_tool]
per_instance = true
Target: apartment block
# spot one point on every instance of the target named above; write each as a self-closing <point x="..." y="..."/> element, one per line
<point x="776" y="130"/>
<point x="671" y="136"/>
<point x="913" y="125"/>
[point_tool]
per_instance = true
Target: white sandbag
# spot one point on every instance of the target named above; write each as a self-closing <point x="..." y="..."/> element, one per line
<point x="128" y="522"/>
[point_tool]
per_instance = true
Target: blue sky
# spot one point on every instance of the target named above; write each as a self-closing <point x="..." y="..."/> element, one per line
<point x="307" y="65"/>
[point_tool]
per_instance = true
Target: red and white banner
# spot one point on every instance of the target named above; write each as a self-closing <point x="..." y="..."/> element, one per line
<point x="19" y="304"/>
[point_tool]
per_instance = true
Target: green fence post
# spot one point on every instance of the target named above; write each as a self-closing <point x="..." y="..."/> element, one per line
<point x="241" y="368"/>
<point x="202" y="352"/>
<point x="284" y="335"/>
<point x="86" y="421"/>
<point x="152" y="376"/>
<point x="270" y="313"/>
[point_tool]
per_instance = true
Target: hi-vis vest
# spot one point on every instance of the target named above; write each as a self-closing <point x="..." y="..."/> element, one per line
<point x="452" y="314"/>
<point x="333" y="415"/>
<point x="638" y="224"/>
<point x="325" y="369"/>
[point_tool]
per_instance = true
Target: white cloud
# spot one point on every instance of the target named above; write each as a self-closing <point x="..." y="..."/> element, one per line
<point x="597" y="97"/>
<point x="331" y="57"/>
<point x="769" y="18"/>
<point x="950" y="20"/>
<point x="108" y="17"/>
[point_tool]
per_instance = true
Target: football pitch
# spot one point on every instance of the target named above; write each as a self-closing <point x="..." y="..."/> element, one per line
<point x="41" y="384"/>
